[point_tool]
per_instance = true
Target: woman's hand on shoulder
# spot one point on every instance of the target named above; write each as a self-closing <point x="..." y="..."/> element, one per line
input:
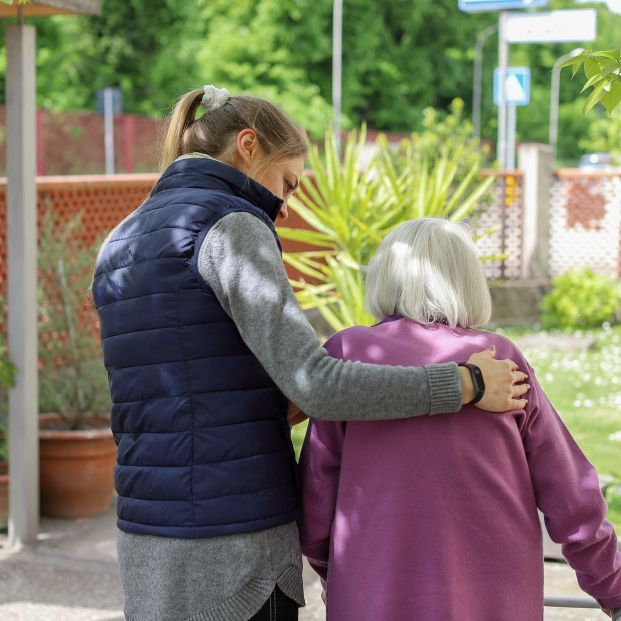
<point x="504" y="383"/>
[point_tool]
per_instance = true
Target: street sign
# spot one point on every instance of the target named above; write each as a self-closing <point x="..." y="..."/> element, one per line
<point x="552" y="26"/>
<point x="499" y="5"/>
<point x="517" y="86"/>
<point x="110" y="94"/>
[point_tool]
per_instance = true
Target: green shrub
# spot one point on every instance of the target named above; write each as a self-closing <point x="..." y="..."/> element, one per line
<point x="72" y="381"/>
<point x="7" y="379"/>
<point x="580" y="299"/>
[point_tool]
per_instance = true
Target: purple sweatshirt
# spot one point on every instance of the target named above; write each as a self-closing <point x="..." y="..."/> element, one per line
<point x="435" y="518"/>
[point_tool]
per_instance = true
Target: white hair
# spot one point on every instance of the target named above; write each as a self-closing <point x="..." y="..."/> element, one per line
<point x="428" y="270"/>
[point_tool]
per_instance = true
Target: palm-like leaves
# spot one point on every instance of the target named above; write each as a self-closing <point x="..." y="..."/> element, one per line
<point x="352" y="204"/>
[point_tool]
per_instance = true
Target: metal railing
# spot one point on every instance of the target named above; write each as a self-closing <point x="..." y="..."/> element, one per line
<point x="569" y="601"/>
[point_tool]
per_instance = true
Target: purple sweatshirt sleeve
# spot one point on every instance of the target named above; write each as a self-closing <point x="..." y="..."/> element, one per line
<point x="320" y="464"/>
<point x="568" y="494"/>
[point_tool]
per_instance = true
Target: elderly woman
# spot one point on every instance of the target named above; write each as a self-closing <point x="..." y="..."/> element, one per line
<point x="435" y="519"/>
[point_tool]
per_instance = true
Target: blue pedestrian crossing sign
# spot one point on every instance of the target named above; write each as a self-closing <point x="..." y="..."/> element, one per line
<point x="499" y="5"/>
<point x="517" y="86"/>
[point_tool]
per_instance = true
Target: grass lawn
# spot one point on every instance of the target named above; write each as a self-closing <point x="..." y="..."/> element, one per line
<point x="585" y="387"/>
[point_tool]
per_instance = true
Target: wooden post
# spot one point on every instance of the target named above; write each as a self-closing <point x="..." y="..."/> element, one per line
<point x="22" y="285"/>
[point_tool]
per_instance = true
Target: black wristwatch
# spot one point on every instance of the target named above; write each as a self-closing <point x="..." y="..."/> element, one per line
<point x="477" y="381"/>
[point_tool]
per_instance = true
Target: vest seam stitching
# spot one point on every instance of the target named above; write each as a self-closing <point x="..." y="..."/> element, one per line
<point x="246" y="422"/>
<point x="151" y="364"/>
<point x="124" y="267"/>
<point x="267" y="519"/>
<point x="167" y="327"/>
<point x="203" y="392"/>
<point x="206" y="463"/>
<point x="253" y="491"/>
<point x="191" y="404"/>
<point x="137" y="297"/>
<point x="161" y="228"/>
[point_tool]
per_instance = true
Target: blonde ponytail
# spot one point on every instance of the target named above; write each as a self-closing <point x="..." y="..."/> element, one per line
<point x="183" y="115"/>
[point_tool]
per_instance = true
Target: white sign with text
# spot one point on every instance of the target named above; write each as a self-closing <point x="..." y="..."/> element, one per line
<point x="552" y="26"/>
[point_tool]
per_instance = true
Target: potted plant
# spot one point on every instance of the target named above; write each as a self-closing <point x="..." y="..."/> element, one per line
<point x="77" y="450"/>
<point x="7" y="379"/>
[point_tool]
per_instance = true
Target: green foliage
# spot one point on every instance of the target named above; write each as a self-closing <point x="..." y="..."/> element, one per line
<point x="4" y="438"/>
<point x="73" y="382"/>
<point x="8" y="372"/>
<point x="605" y="136"/>
<point x="399" y="58"/>
<point x="581" y="299"/>
<point x="440" y="128"/>
<point x="351" y="205"/>
<point x="603" y="73"/>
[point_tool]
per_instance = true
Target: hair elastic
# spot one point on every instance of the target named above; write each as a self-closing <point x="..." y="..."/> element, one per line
<point x="214" y="97"/>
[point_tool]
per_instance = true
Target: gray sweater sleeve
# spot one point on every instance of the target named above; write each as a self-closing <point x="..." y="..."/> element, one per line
<point x="240" y="261"/>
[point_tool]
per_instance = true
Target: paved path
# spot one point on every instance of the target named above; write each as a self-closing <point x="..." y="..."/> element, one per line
<point x="72" y="575"/>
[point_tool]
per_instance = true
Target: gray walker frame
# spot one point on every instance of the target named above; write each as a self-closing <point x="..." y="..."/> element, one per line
<point x="565" y="601"/>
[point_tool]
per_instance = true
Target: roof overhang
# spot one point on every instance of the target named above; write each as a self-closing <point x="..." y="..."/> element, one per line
<point x="43" y="8"/>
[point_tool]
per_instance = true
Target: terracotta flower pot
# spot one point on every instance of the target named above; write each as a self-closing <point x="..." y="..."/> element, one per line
<point x="4" y="495"/>
<point x="76" y="469"/>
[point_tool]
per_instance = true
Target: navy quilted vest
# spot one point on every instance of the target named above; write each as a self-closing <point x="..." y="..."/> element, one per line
<point x="204" y="448"/>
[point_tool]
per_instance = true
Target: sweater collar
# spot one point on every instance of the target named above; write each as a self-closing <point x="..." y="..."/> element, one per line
<point x="199" y="171"/>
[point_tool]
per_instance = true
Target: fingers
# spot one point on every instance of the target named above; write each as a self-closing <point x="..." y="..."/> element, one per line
<point x="512" y="366"/>
<point x="520" y="389"/>
<point x="519" y="377"/>
<point x="518" y="404"/>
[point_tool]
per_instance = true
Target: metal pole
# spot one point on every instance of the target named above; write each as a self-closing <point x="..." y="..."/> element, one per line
<point x="511" y="127"/>
<point x="503" y="60"/>
<point x="569" y="601"/>
<point x="22" y="285"/>
<point x="554" y="97"/>
<point x="337" y="63"/>
<point x="477" y="79"/>
<point x="108" y="100"/>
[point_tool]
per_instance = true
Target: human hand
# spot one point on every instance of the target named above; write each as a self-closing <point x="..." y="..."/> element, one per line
<point x="295" y="416"/>
<point x="503" y="383"/>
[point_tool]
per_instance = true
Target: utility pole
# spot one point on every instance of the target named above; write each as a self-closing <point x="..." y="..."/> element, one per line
<point x="337" y="65"/>
<point x="503" y="61"/>
<point x="478" y="78"/>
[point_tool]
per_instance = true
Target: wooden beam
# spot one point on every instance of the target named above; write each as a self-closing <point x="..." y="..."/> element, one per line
<point x="22" y="285"/>
<point x="42" y="8"/>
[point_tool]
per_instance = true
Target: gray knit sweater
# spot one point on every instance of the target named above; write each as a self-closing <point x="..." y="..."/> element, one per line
<point x="229" y="578"/>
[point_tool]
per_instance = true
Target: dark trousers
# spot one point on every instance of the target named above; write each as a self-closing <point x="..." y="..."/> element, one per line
<point x="278" y="607"/>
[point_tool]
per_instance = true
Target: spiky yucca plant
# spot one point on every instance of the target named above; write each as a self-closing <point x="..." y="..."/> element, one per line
<point x="353" y="202"/>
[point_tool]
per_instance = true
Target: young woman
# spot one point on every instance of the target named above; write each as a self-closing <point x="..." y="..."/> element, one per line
<point x="435" y="518"/>
<point x="204" y="342"/>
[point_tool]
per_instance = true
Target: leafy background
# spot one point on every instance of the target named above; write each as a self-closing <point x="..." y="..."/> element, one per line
<point x="399" y="58"/>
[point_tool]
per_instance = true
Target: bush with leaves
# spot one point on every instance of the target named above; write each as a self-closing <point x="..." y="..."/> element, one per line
<point x="7" y="380"/>
<point x="603" y="73"/>
<point x="73" y="382"/>
<point x="351" y="205"/>
<point x="580" y="299"/>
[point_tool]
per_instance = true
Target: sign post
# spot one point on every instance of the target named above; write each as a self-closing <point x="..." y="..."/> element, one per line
<point x="512" y="91"/>
<point x="109" y="103"/>
<point x="503" y="60"/>
<point x="543" y="27"/>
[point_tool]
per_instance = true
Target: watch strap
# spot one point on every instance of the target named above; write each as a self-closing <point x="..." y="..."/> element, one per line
<point x="477" y="381"/>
